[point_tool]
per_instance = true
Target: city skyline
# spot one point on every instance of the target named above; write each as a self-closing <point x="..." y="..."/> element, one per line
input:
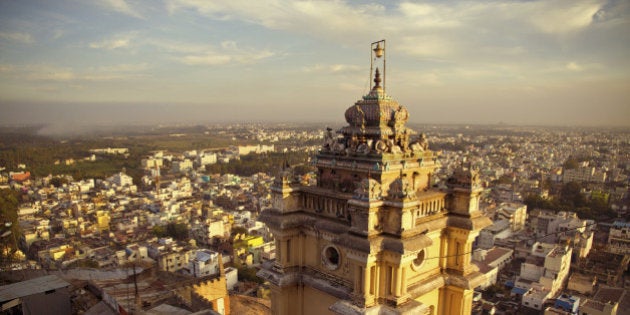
<point x="116" y="61"/>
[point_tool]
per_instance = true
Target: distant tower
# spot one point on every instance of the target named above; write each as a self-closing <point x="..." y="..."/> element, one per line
<point x="373" y="236"/>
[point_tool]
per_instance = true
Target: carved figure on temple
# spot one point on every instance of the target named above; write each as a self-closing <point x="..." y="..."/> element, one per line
<point x="353" y="143"/>
<point x="401" y="116"/>
<point x="380" y="146"/>
<point x="360" y="118"/>
<point x="423" y="141"/>
<point x="363" y="149"/>
<point x="396" y="189"/>
<point x="329" y="139"/>
<point x="339" y="148"/>
<point x="415" y="146"/>
<point x="369" y="189"/>
<point x="393" y="147"/>
<point x="401" y="189"/>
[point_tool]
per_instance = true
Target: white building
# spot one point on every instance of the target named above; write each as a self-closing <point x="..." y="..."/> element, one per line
<point x="207" y="158"/>
<point x="182" y="166"/>
<point x="231" y="277"/>
<point x="203" y="262"/>
<point x="260" y="148"/>
<point x="535" y="298"/>
<point x="513" y="212"/>
<point x="543" y="274"/>
<point x="151" y="163"/>
<point x="121" y="179"/>
<point x="206" y="231"/>
<point x="553" y="225"/>
<point x="500" y="229"/>
<point x="490" y="262"/>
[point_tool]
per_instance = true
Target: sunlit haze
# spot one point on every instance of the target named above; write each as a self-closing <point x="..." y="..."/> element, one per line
<point x="126" y="62"/>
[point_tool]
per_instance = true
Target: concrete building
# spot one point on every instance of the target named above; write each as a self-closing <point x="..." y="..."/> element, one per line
<point x="514" y="213"/>
<point x="584" y="174"/>
<point x="152" y="163"/>
<point x="373" y="236"/>
<point x="204" y="232"/>
<point x="607" y="301"/>
<point x="169" y="255"/>
<point x="213" y="292"/>
<point x="203" y="262"/>
<point x="619" y="238"/>
<point x="490" y="262"/>
<point x="121" y="179"/>
<point x="543" y="274"/>
<point x="582" y="284"/>
<point x="499" y="230"/>
<point x="259" y="148"/>
<point x="182" y="166"/>
<point x="207" y="158"/>
<point x="552" y="225"/>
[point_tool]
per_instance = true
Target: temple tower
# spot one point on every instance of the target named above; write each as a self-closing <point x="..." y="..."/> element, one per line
<point x="373" y="236"/>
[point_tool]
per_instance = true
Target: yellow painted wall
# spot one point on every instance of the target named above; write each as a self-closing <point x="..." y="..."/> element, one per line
<point x="250" y="241"/>
<point x="431" y="299"/>
<point x="311" y="251"/>
<point x="317" y="302"/>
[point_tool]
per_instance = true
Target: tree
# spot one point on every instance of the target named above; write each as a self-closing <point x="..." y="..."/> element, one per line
<point x="571" y="195"/>
<point x="159" y="230"/>
<point x="248" y="274"/>
<point x="238" y="230"/>
<point x="178" y="231"/>
<point x="58" y="181"/>
<point x="570" y="163"/>
<point x="9" y="227"/>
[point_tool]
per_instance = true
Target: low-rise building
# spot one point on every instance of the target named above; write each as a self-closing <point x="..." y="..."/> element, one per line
<point x="44" y="295"/>
<point x="203" y="262"/>
<point x="619" y="238"/>
<point x="490" y="262"/>
<point x="548" y="269"/>
<point x="514" y="213"/>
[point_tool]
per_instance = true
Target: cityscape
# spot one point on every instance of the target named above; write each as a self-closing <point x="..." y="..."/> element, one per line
<point x="145" y="171"/>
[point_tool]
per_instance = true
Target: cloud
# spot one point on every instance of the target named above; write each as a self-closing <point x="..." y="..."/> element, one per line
<point x="50" y="73"/>
<point x="120" y="6"/>
<point x="574" y="66"/>
<point x="228" y="53"/>
<point x="560" y="17"/>
<point x="58" y="33"/>
<point x="428" y="30"/>
<point x="19" y="37"/>
<point x="116" y="42"/>
<point x="333" y="68"/>
<point x="319" y="18"/>
<point x="216" y="59"/>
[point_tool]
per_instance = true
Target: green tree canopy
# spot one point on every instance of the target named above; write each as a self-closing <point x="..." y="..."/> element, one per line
<point x="570" y="164"/>
<point x="9" y="220"/>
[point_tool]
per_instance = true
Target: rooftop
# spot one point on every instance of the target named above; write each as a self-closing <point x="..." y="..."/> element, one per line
<point x="495" y="253"/>
<point x="30" y="287"/>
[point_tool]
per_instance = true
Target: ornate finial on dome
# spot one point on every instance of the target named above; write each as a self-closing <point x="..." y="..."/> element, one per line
<point x="377" y="79"/>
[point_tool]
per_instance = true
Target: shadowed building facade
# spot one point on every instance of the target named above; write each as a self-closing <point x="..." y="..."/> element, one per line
<point x="372" y="236"/>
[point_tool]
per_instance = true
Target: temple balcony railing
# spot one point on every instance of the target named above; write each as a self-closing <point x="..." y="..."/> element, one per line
<point x="330" y="206"/>
<point x="428" y="204"/>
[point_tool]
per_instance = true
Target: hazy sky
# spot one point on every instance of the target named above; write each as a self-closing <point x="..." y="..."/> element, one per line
<point x="521" y="62"/>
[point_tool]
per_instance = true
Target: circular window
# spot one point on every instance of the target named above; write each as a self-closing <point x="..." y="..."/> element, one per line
<point x="331" y="257"/>
<point x="419" y="260"/>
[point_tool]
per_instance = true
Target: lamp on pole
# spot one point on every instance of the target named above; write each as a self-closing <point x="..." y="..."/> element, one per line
<point x="377" y="50"/>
